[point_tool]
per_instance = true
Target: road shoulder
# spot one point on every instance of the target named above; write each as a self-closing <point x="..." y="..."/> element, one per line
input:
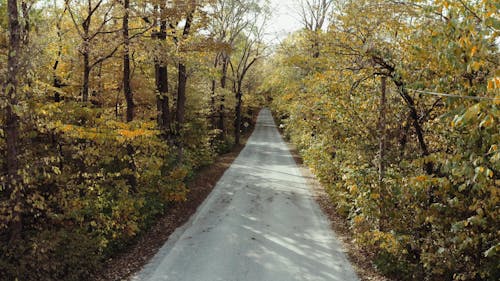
<point x="361" y="259"/>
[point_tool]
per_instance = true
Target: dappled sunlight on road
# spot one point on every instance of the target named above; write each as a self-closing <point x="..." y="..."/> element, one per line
<point x="260" y="223"/>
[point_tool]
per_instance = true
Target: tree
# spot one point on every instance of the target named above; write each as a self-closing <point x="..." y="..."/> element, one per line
<point x="229" y="19"/>
<point x="79" y="182"/>
<point x="313" y="16"/>
<point x="127" y="89"/>
<point x="57" y="81"/>
<point x="251" y="49"/>
<point x="185" y="13"/>
<point x="161" y="77"/>
<point x="10" y="92"/>
<point x="83" y="14"/>
<point x="430" y="217"/>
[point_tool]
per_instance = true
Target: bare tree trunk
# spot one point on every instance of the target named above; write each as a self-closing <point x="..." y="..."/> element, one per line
<point x="237" y="121"/>
<point x="428" y="166"/>
<point x="162" y="101"/>
<point x="222" y="108"/>
<point x="86" y="77"/>
<point x="181" y="97"/>
<point x="161" y="78"/>
<point x="56" y="81"/>
<point x="86" y="54"/>
<point x="213" y="106"/>
<point x="127" y="89"/>
<point x="12" y="127"/>
<point x="237" y="90"/>
<point x="316" y="47"/>
<point x="24" y="37"/>
<point x="181" y="91"/>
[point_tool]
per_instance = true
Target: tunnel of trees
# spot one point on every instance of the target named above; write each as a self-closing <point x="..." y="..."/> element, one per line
<point x="108" y="107"/>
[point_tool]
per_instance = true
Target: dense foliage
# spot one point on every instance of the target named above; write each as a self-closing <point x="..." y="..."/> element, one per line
<point x="106" y="110"/>
<point x="107" y="107"/>
<point x="417" y="173"/>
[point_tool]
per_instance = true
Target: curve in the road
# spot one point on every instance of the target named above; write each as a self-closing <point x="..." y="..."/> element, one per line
<point x="260" y="223"/>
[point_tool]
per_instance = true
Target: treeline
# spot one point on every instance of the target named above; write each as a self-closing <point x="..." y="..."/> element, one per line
<point x="396" y="107"/>
<point x="107" y="108"/>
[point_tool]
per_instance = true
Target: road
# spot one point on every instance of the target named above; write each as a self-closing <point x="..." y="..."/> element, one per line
<point x="260" y="223"/>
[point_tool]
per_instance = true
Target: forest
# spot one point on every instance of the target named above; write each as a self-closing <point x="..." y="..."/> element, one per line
<point x="108" y="108"/>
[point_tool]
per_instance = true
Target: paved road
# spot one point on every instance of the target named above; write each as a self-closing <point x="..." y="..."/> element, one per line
<point x="259" y="224"/>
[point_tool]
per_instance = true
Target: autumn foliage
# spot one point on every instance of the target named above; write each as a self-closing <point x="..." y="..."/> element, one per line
<point x="421" y="188"/>
<point x="105" y="114"/>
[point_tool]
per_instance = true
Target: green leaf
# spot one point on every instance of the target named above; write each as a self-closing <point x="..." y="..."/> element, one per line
<point x="492" y="251"/>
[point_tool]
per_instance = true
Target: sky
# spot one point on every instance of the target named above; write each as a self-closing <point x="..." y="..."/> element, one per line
<point x="284" y="20"/>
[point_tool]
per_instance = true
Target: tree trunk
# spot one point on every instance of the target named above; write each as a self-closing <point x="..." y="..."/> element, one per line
<point x="86" y="74"/>
<point x="56" y="81"/>
<point x="181" y="91"/>
<point x="127" y="90"/>
<point x="12" y="127"/>
<point x="181" y="97"/>
<point x="86" y="56"/>
<point x="223" y="99"/>
<point x="24" y="35"/>
<point x="428" y="166"/>
<point x="181" y="103"/>
<point x="162" y="101"/>
<point x="315" y="46"/>
<point x="213" y="106"/>
<point x="237" y="89"/>
<point x="129" y="95"/>
<point x="161" y="77"/>
<point x="237" y="121"/>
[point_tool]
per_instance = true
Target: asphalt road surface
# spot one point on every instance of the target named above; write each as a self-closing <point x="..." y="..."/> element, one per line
<point x="260" y="223"/>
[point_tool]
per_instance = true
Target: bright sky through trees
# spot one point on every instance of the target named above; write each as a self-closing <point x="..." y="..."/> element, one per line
<point x="284" y="20"/>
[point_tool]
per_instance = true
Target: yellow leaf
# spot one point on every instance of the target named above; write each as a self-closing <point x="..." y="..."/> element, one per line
<point x="358" y="219"/>
<point x="475" y="66"/>
<point x="421" y="178"/>
<point x="496" y="101"/>
<point x="490" y="85"/>
<point x="473" y="51"/>
<point x="493" y="148"/>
